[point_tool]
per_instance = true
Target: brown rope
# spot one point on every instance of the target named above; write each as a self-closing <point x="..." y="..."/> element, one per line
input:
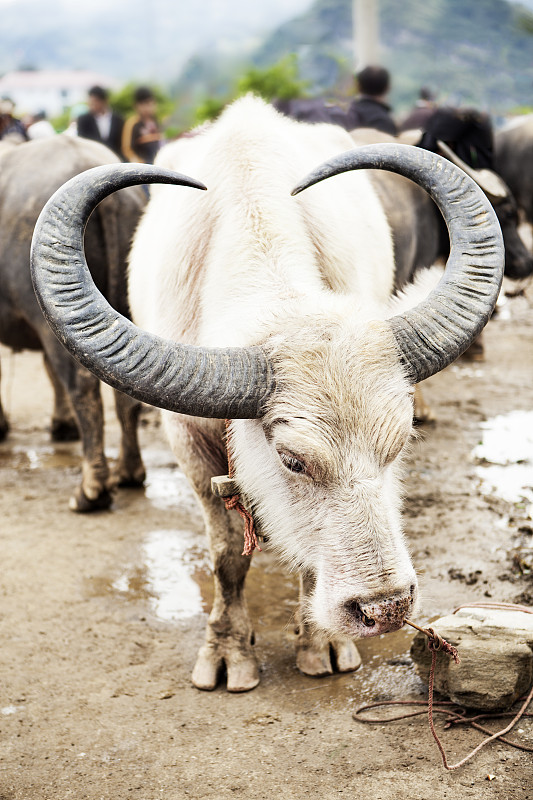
<point x="435" y="643"/>
<point x="251" y="541"/>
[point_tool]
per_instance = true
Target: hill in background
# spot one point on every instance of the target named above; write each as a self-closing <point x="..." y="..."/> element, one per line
<point x="470" y="52"/>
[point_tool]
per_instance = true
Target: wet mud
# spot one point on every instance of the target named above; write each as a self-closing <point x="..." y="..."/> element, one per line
<point x="101" y="615"/>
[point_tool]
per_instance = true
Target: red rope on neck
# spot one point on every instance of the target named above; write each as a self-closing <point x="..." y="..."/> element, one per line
<point x="251" y="541"/>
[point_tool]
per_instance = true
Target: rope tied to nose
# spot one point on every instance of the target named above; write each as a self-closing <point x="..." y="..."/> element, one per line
<point x="233" y="502"/>
<point x="436" y="642"/>
<point x="455" y="715"/>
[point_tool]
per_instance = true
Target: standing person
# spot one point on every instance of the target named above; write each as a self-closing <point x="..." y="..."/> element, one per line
<point x="369" y="109"/>
<point x="420" y="115"/>
<point x="141" y="138"/>
<point x="101" y="123"/>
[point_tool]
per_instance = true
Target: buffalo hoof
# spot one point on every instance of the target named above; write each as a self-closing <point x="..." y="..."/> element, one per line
<point x="64" y="431"/>
<point x="242" y="673"/>
<point x="4" y="428"/>
<point x="81" y="504"/>
<point x="127" y="478"/>
<point x="314" y="661"/>
<point x="317" y="658"/>
<point x="345" y="653"/>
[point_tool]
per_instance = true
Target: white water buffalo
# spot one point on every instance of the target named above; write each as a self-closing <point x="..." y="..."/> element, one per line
<point x="29" y="174"/>
<point x="271" y="310"/>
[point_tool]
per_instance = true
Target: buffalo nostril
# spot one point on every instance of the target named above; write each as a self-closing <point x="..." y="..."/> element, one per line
<point x="354" y="609"/>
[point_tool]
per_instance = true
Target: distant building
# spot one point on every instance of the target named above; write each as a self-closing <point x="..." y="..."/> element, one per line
<point x="50" y="91"/>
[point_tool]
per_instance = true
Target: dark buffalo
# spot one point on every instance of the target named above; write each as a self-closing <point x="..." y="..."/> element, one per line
<point x="420" y="236"/>
<point x="29" y="175"/>
<point x="314" y="109"/>
<point x="513" y="156"/>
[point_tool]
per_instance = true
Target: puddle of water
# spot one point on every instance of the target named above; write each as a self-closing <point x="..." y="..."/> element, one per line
<point x="166" y="487"/>
<point x="507" y="438"/>
<point x="43" y="457"/>
<point x="177" y="570"/>
<point x="172" y="576"/>
<point x="386" y="673"/>
<point x="132" y="585"/>
<point x="507" y="452"/>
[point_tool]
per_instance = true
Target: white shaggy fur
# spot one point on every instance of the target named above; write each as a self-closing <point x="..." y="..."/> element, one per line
<point x="310" y="278"/>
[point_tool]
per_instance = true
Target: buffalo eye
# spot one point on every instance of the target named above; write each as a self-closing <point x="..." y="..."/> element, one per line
<point x="292" y="463"/>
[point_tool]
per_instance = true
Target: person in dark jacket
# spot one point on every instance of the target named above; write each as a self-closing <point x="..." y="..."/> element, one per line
<point x="369" y="109"/>
<point x="101" y="123"/>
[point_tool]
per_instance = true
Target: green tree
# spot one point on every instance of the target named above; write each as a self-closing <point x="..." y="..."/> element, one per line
<point x="279" y="81"/>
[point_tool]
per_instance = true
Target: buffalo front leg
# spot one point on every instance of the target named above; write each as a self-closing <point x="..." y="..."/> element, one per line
<point x="229" y="633"/>
<point x="64" y="427"/>
<point x="129" y="470"/>
<point x="315" y="648"/>
<point x="199" y="448"/>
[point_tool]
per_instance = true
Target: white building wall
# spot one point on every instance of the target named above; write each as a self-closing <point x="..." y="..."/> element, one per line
<point x="50" y="91"/>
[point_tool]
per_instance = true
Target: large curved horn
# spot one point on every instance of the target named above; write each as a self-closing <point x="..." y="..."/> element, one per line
<point x="209" y="382"/>
<point x="438" y="330"/>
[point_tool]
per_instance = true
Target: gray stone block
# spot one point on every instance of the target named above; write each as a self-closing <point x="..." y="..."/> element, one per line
<point x="496" y="651"/>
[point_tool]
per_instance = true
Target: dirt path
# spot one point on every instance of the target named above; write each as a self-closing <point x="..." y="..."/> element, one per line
<point x="101" y="617"/>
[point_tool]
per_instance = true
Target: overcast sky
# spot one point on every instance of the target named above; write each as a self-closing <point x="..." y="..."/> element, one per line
<point x="276" y="9"/>
<point x="153" y="38"/>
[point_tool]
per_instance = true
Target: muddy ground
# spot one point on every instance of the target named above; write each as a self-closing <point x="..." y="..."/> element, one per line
<point x="101" y="616"/>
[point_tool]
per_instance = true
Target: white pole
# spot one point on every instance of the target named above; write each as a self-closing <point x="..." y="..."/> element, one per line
<point x="365" y="17"/>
